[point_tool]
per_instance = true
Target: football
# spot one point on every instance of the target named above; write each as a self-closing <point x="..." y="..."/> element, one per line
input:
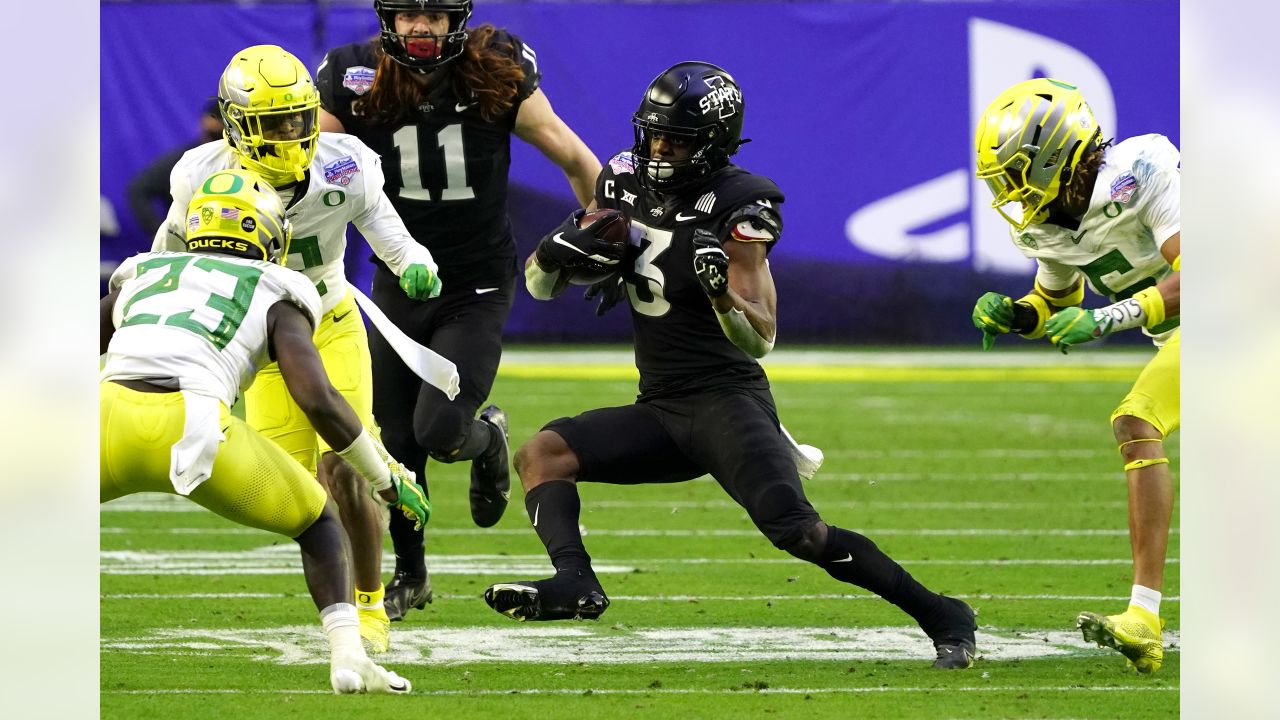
<point x="614" y="234"/>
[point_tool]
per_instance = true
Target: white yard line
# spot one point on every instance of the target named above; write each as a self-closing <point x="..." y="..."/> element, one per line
<point x="603" y="644"/>
<point x="639" y="598"/>
<point x="1020" y="689"/>
<point x="283" y="559"/>
<point x="650" y="532"/>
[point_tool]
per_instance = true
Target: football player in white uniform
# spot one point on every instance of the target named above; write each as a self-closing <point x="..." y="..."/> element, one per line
<point x="184" y="333"/>
<point x="269" y="106"/>
<point x="1109" y="215"/>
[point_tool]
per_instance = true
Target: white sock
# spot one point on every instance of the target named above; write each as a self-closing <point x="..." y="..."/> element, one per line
<point x="342" y="630"/>
<point x="1146" y="598"/>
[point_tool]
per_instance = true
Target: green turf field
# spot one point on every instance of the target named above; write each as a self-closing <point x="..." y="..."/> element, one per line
<point x="1001" y="486"/>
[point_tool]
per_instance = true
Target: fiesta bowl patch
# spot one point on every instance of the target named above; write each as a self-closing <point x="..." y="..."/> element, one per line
<point x="358" y="79"/>
<point x="1123" y="187"/>
<point x="341" y="171"/>
<point x="623" y="163"/>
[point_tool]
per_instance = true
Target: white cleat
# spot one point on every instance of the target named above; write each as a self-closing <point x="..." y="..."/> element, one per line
<point x="362" y="675"/>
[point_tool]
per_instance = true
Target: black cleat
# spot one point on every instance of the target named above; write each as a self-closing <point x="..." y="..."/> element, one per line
<point x="555" y="598"/>
<point x="953" y="635"/>
<point x="406" y="591"/>
<point x="490" y="474"/>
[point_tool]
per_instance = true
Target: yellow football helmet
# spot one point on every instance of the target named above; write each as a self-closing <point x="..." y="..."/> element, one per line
<point x="236" y="212"/>
<point x="1029" y="141"/>
<point x="271" y="110"/>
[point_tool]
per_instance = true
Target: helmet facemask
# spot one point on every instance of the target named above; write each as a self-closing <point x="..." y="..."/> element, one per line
<point x="423" y="53"/>
<point x="271" y="110"/>
<point x="668" y="174"/>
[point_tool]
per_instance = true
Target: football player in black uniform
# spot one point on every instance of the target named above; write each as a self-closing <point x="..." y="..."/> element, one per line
<point x="703" y="308"/>
<point x="439" y="102"/>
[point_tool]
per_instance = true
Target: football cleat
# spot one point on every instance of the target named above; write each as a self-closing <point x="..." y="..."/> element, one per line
<point x="375" y="629"/>
<point x="361" y="675"/>
<point x="953" y="635"/>
<point x="490" y="474"/>
<point x="1135" y="633"/>
<point x="555" y="598"/>
<point x="406" y="591"/>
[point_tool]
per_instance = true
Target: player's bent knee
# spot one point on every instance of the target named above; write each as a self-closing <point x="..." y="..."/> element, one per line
<point x="806" y="543"/>
<point x="443" y="435"/>
<point x="546" y="456"/>
<point x="1129" y="427"/>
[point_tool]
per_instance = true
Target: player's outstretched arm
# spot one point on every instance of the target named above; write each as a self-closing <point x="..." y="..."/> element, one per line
<point x="735" y="276"/>
<point x="538" y="125"/>
<point x="331" y="415"/>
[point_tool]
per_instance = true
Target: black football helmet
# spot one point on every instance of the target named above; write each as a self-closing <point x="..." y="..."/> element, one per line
<point x="699" y="102"/>
<point x="423" y="53"/>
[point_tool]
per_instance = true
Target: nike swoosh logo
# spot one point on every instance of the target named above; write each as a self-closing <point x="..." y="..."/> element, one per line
<point x="460" y="107"/>
<point x="482" y="291"/>
<point x="681" y="218"/>
<point x="558" y="239"/>
<point x="536" y="508"/>
<point x="338" y="318"/>
<point x="506" y="494"/>
<point x="1075" y="239"/>
<point x="846" y="558"/>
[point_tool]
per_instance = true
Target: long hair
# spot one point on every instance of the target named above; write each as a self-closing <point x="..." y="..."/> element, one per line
<point x="487" y="74"/>
<point x="1076" y="193"/>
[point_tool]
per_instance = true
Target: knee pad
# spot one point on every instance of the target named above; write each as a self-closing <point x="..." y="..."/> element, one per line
<point x="807" y="543"/>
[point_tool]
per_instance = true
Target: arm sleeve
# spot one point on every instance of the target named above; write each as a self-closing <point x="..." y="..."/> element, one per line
<point x="381" y="225"/>
<point x="172" y="234"/>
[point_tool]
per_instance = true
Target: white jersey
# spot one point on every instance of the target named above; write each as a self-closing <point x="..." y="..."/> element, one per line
<point x="1133" y="211"/>
<point x="344" y="186"/>
<point x="198" y="322"/>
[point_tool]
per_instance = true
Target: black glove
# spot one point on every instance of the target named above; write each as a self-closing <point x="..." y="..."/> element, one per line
<point x="610" y="291"/>
<point x="569" y="246"/>
<point x="710" y="263"/>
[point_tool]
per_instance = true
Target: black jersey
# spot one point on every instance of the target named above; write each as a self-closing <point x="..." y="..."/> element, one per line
<point x="679" y="344"/>
<point x="446" y="169"/>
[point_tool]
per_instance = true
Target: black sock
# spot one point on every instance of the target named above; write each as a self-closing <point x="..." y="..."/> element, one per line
<point x="554" y="508"/>
<point x="871" y="569"/>
<point x="409" y="545"/>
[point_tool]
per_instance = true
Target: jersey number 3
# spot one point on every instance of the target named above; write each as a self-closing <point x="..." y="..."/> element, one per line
<point x="448" y="146"/>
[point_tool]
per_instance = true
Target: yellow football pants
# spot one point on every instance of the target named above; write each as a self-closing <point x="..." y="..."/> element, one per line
<point x="253" y="483"/>
<point x="1156" y="395"/>
<point x="344" y="349"/>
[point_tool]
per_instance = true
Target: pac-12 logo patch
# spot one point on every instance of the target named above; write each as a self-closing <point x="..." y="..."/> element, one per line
<point x="1123" y="187"/>
<point x="341" y="171"/>
<point x="358" y="79"/>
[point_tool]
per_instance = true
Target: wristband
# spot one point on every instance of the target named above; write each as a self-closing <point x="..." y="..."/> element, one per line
<point x="1152" y="303"/>
<point x="1041" y="308"/>
<point x="363" y="455"/>
<point x="740" y="332"/>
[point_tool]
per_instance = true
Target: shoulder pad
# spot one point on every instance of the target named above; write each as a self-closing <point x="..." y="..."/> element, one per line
<point x="759" y="221"/>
